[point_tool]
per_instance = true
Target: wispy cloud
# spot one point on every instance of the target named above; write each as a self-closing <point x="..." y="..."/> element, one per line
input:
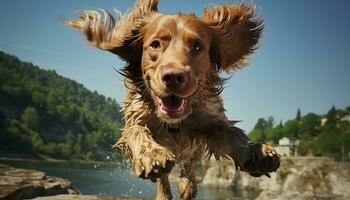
<point x="30" y="48"/>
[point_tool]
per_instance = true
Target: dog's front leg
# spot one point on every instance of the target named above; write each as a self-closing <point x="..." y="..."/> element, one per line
<point x="256" y="159"/>
<point x="149" y="159"/>
<point x="225" y="140"/>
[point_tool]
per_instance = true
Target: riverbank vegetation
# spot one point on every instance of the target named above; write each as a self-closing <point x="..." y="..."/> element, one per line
<point x="45" y="114"/>
<point x="319" y="135"/>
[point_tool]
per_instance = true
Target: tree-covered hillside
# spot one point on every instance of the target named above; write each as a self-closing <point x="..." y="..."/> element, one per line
<point x="43" y="113"/>
<point x="320" y="135"/>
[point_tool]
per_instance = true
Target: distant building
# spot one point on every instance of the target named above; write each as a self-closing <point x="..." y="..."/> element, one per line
<point x="286" y="146"/>
<point x="284" y="141"/>
<point x="346" y="118"/>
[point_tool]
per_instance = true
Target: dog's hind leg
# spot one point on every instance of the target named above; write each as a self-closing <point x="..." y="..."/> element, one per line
<point x="187" y="187"/>
<point x="163" y="188"/>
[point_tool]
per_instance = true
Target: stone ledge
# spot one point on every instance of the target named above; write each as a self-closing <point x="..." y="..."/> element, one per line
<point x="85" y="197"/>
<point x="26" y="184"/>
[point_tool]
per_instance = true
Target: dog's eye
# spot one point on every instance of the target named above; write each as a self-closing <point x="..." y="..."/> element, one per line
<point x="196" y="47"/>
<point x="155" y="44"/>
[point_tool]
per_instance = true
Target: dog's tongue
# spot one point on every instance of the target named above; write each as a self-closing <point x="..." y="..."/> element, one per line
<point x="172" y="103"/>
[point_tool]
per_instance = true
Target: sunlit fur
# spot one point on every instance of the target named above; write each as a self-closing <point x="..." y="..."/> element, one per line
<point x="226" y="35"/>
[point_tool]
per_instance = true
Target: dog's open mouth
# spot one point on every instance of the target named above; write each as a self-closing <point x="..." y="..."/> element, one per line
<point x="172" y="105"/>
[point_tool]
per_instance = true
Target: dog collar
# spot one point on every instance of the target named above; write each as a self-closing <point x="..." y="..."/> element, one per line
<point x="173" y="128"/>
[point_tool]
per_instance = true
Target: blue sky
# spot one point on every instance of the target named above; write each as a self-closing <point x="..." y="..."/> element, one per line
<point x="303" y="60"/>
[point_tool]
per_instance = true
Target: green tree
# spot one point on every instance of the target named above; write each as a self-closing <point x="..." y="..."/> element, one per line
<point x="95" y="139"/>
<point x="52" y="150"/>
<point x="39" y="98"/>
<point x="274" y="134"/>
<point x="331" y="117"/>
<point x="78" y="148"/>
<point x="257" y="135"/>
<point x="327" y="144"/>
<point x="298" y="117"/>
<point x="330" y="141"/>
<point x="304" y="147"/>
<point x="37" y="143"/>
<point x="310" y="125"/>
<point x="291" y="128"/>
<point x="280" y="124"/>
<point x="70" y="142"/>
<point x="270" y="122"/>
<point x="262" y="124"/>
<point x="53" y="100"/>
<point x="62" y="113"/>
<point x="31" y="118"/>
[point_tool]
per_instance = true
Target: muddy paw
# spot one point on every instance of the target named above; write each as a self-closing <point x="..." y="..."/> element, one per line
<point x="263" y="159"/>
<point x="153" y="163"/>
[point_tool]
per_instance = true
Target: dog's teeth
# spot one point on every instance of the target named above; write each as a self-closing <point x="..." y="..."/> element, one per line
<point x="143" y="168"/>
<point x="270" y="154"/>
<point x="157" y="162"/>
<point x="154" y="163"/>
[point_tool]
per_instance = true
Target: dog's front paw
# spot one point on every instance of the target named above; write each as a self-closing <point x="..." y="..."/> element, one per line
<point x="263" y="159"/>
<point x="153" y="163"/>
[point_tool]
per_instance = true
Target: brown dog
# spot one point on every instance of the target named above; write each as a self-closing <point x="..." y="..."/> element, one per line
<point x="173" y="111"/>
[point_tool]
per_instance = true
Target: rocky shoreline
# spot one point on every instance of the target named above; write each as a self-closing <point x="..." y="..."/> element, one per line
<point x="299" y="178"/>
<point x="85" y="197"/>
<point x="16" y="184"/>
<point x="27" y="184"/>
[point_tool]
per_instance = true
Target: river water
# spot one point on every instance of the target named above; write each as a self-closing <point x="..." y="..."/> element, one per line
<point x="115" y="179"/>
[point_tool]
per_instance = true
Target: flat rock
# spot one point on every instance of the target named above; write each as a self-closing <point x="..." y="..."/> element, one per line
<point x="26" y="184"/>
<point x="306" y="195"/>
<point x="85" y="197"/>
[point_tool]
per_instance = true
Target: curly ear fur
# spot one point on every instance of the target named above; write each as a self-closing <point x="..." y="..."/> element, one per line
<point x="237" y="30"/>
<point x="117" y="37"/>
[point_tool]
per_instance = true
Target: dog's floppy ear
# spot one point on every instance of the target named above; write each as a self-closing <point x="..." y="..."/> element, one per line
<point x="236" y="30"/>
<point x="117" y="37"/>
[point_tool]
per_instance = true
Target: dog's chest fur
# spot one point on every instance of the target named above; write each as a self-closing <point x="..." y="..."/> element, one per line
<point x="189" y="141"/>
<point x="184" y="146"/>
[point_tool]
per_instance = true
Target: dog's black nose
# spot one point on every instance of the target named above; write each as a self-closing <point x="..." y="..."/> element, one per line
<point x="173" y="78"/>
